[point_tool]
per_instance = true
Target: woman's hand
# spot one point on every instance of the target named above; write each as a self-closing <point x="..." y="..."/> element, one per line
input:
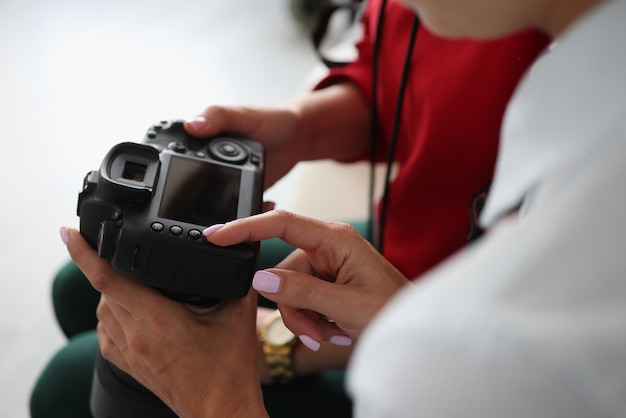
<point x="329" y="123"/>
<point x="273" y="127"/>
<point x="334" y="284"/>
<point x="201" y="362"/>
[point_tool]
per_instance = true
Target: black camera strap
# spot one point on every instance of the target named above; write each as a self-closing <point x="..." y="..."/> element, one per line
<point x="318" y="36"/>
<point x="393" y="141"/>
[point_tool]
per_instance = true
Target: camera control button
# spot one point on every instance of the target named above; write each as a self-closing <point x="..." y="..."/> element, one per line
<point x="177" y="147"/>
<point x="157" y="227"/>
<point x="176" y="230"/>
<point x="200" y="154"/>
<point x="228" y="149"/>
<point x="195" y="234"/>
<point x="255" y="159"/>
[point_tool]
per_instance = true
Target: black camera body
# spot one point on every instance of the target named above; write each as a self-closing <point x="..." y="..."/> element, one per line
<point x="145" y="208"/>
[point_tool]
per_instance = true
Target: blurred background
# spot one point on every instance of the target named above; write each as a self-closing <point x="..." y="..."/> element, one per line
<point x="77" y="77"/>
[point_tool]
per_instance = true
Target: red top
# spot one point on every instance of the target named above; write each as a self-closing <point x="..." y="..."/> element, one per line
<point x="447" y="144"/>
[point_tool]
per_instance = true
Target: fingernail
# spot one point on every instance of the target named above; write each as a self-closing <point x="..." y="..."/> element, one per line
<point x="341" y="340"/>
<point x="198" y="123"/>
<point x="65" y="235"/>
<point x="267" y="282"/>
<point x="212" y="229"/>
<point x="267" y="206"/>
<point x="309" y="342"/>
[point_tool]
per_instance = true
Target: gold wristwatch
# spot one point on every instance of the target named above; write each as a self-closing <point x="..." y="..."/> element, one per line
<point x="278" y="342"/>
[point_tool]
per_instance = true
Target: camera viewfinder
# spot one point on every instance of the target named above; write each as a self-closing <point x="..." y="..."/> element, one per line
<point x="134" y="171"/>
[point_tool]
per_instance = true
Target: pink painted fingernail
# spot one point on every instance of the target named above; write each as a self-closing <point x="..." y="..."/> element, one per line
<point x="267" y="206"/>
<point x="198" y="124"/>
<point x="341" y="340"/>
<point x="65" y="235"/>
<point x="309" y="342"/>
<point x="212" y="229"/>
<point x="267" y="282"/>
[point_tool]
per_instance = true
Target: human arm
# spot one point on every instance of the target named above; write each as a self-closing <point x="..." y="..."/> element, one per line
<point x="356" y="281"/>
<point x="332" y="122"/>
<point x="199" y="362"/>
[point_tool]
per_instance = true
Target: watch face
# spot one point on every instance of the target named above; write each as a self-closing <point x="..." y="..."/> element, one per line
<point x="278" y="334"/>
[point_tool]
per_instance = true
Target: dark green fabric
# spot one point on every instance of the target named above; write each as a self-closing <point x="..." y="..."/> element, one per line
<point x="64" y="386"/>
<point x="318" y="395"/>
<point x="74" y="301"/>
<point x="62" y="390"/>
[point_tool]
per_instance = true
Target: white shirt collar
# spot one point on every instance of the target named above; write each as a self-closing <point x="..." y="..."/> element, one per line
<point x="548" y="121"/>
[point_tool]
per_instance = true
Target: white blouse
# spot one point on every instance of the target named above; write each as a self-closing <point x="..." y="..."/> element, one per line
<point x="530" y="321"/>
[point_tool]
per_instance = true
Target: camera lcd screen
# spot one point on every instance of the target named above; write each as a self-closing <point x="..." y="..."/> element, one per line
<point x="200" y="193"/>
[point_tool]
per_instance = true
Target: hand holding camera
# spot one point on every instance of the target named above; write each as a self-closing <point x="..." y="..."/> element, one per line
<point x="144" y="210"/>
<point x="146" y="207"/>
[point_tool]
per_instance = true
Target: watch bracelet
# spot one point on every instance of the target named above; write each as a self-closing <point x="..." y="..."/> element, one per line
<point x="280" y="366"/>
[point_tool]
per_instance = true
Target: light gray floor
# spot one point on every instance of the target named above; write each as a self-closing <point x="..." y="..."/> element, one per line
<point x="78" y="77"/>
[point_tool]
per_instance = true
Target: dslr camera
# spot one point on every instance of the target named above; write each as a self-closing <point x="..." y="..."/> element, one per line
<point x="145" y="208"/>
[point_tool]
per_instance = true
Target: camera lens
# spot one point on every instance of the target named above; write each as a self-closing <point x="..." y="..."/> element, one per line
<point x="228" y="150"/>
